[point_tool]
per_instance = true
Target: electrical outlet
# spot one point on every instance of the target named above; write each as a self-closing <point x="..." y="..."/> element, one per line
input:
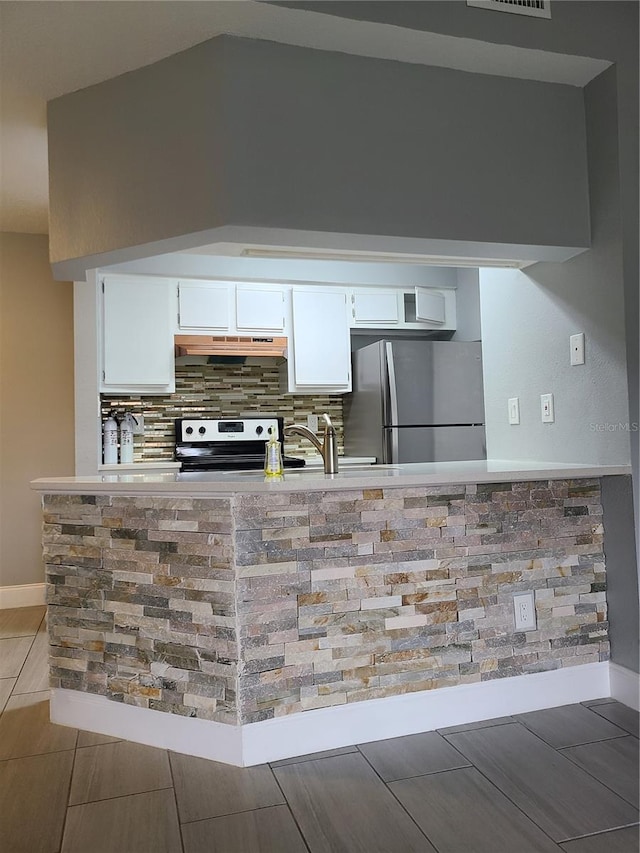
<point x="138" y="425"/>
<point x="514" y="410"/>
<point x="546" y="408"/>
<point x="524" y="609"/>
<point x="576" y="343"/>
<point x="312" y="423"/>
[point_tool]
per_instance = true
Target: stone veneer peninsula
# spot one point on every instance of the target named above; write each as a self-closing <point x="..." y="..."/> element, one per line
<point x="246" y="621"/>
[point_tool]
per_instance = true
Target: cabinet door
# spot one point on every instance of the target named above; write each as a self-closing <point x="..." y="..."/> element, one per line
<point x="321" y="345"/>
<point x="204" y="305"/>
<point x="259" y="309"/>
<point x="375" y="308"/>
<point x="137" y="336"/>
<point x="430" y="306"/>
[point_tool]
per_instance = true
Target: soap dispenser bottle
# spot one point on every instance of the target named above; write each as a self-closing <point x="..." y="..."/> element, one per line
<point x="273" y="456"/>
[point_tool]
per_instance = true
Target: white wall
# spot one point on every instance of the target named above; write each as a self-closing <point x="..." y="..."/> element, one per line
<point x="192" y="265"/>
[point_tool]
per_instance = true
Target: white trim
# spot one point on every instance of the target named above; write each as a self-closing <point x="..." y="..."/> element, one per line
<point x="24" y="595"/>
<point x="625" y="685"/>
<point x="329" y="728"/>
<point x="204" y="738"/>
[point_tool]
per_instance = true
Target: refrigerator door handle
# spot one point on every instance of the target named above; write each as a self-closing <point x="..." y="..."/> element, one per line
<point x="393" y="402"/>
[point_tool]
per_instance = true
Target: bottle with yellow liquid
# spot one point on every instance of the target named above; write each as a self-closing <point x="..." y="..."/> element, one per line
<point x="273" y="457"/>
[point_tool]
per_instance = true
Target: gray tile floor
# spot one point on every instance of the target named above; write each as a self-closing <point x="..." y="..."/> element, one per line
<point x="565" y="779"/>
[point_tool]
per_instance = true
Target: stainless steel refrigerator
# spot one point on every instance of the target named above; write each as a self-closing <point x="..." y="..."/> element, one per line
<point x="416" y="401"/>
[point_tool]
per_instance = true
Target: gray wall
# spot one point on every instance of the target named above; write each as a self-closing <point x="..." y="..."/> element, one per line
<point x="468" y="325"/>
<point x="622" y="581"/>
<point x="528" y="316"/>
<point x="262" y="134"/>
<point x="606" y="29"/>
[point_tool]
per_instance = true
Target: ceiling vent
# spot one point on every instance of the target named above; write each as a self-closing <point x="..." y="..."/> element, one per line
<point x="532" y="8"/>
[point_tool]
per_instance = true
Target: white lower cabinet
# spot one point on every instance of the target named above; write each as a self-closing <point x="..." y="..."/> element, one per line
<point x="319" y="347"/>
<point x="137" y="334"/>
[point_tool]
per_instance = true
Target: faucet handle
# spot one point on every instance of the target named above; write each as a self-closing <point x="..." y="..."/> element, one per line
<point x="328" y="424"/>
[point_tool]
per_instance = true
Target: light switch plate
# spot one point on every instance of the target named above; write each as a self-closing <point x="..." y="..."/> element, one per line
<point x="312" y="423"/>
<point x="514" y="410"/>
<point x="546" y="408"/>
<point x="576" y="342"/>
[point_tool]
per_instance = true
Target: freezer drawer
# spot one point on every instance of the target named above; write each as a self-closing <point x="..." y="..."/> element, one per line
<point x="434" y="444"/>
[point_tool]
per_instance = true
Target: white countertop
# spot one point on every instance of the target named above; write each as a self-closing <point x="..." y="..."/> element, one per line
<point x="169" y="464"/>
<point x="301" y="479"/>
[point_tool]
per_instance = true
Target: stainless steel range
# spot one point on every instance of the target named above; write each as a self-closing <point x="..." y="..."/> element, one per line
<point x="210" y="444"/>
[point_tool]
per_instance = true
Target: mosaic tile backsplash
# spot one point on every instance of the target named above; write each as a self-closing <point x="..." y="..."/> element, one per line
<point x="225" y="391"/>
<point x="248" y="608"/>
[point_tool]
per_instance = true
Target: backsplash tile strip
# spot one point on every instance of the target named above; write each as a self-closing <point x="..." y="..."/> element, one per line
<point x="222" y="391"/>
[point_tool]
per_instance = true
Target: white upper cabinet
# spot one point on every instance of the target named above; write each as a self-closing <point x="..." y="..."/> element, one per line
<point x="320" y="352"/>
<point x="403" y="308"/>
<point x="204" y="305"/>
<point x="375" y="307"/>
<point x="430" y="306"/>
<point x="137" y="334"/>
<point x="260" y="308"/>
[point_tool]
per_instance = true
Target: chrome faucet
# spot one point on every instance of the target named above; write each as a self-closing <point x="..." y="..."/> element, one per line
<point x="328" y="449"/>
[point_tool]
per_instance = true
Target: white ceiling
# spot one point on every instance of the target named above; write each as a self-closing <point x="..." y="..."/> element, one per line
<point x="48" y="49"/>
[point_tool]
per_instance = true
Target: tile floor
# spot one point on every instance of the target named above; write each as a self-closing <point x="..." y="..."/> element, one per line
<point x="565" y="779"/>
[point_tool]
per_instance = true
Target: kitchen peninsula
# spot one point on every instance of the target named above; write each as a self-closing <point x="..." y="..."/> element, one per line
<point x="245" y="621"/>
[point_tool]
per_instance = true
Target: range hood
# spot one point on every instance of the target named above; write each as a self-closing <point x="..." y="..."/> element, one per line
<point x="227" y="349"/>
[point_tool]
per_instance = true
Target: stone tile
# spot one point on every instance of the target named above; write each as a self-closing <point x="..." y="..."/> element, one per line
<point x="624" y="717"/>
<point x="413" y="755"/>
<point x="20" y="621"/>
<point x="33" y="802"/>
<point x="94" y="739"/>
<point x="480" y="724"/>
<point x="625" y="840"/>
<point x="260" y="831"/>
<point x="313" y="756"/>
<point x="6" y="686"/>
<point x="34" y="676"/>
<point x="615" y="763"/>
<point x="459" y="810"/>
<point x="557" y="795"/>
<point x="210" y="789"/>
<point x="342" y="806"/>
<point x="25" y="728"/>
<point x="569" y="725"/>
<point x="140" y="823"/>
<point x="118" y="769"/>
<point x="13" y="654"/>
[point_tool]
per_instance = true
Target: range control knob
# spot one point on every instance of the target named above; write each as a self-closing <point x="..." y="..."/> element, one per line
<point x="189" y="430"/>
<point x="259" y="430"/>
<point x="202" y="430"/>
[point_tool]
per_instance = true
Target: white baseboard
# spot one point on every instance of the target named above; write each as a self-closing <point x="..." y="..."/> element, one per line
<point x="25" y="595"/>
<point x="625" y="685"/>
<point x="329" y="728"/>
